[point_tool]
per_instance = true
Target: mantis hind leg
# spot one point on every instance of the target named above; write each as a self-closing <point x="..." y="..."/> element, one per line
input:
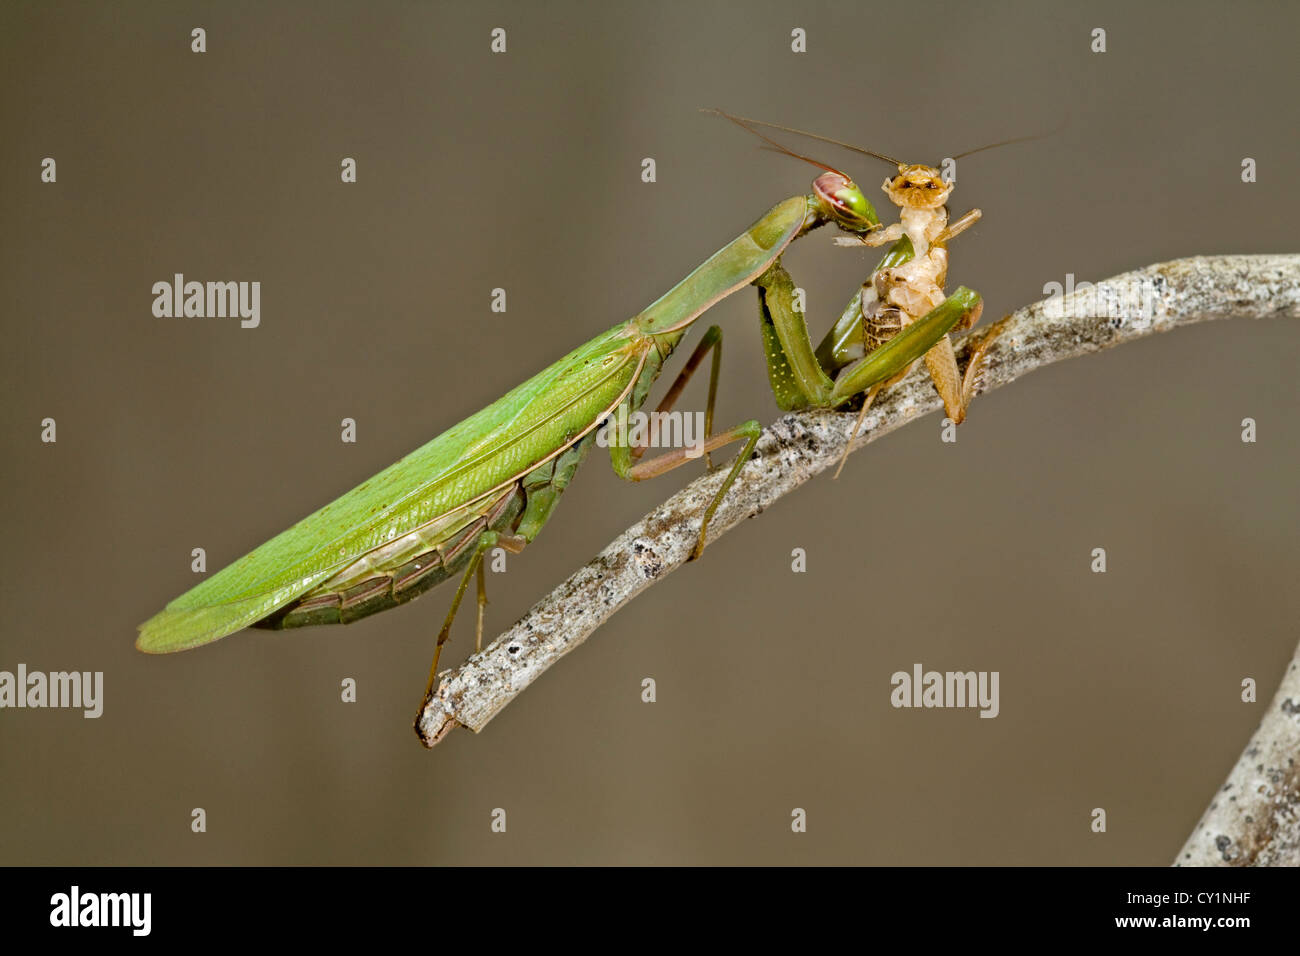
<point x="485" y="542"/>
<point x="542" y="488"/>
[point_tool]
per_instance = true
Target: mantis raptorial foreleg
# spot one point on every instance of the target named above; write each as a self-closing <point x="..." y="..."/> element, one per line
<point x="845" y="342"/>
<point x="963" y="306"/>
<point x="900" y="279"/>
<point x="970" y="313"/>
<point x="793" y="370"/>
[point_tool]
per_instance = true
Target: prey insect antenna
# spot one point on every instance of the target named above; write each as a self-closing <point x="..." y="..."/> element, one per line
<point x="1018" y="139"/>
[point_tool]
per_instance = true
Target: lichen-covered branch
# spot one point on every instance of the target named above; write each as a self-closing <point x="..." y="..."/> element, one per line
<point x="799" y="446"/>
<point x="1254" y="819"/>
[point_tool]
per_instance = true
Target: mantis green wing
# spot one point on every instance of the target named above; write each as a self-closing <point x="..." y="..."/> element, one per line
<point x="520" y="431"/>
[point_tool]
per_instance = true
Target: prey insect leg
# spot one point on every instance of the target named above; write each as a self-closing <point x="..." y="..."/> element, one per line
<point x="958" y="226"/>
<point x="956" y="390"/>
<point x="866" y="406"/>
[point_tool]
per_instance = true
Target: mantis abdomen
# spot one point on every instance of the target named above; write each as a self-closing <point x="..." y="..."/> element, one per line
<point x="397" y="573"/>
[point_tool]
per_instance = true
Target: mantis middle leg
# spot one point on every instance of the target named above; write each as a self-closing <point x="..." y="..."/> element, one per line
<point x="624" y="456"/>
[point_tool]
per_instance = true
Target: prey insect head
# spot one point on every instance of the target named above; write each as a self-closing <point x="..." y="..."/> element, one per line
<point x="917" y="187"/>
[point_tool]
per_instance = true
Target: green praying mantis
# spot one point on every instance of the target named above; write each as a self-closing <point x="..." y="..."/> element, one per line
<point x="494" y="479"/>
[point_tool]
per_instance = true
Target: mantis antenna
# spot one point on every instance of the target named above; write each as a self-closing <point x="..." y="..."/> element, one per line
<point x="749" y="124"/>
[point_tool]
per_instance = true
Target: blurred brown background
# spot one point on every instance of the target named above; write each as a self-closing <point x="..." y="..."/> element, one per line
<point x="523" y="171"/>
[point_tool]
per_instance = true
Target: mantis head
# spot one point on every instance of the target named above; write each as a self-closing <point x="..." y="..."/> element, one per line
<point x="917" y="187"/>
<point x="839" y="198"/>
<point x="843" y="201"/>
